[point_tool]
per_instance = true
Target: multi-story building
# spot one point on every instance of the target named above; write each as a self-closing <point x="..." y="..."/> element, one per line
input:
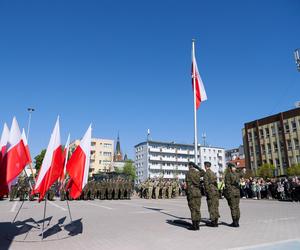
<point x="102" y="152"/>
<point x="273" y="139"/>
<point x="169" y="160"/>
<point x="235" y="153"/>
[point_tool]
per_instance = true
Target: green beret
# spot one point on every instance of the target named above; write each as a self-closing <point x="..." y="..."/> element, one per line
<point x="207" y="164"/>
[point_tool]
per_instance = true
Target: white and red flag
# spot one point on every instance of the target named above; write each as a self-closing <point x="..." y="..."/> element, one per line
<point x="78" y="165"/>
<point x="52" y="165"/>
<point x="15" y="159"/>
<point x="3" y="143"/>
<point x="23" y="136"/>
<point x="199" y="86"/>
<point x="65" y="160"/>
<point x="4" y="139"/>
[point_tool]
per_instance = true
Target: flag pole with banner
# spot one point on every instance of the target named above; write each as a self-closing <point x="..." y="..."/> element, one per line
<point x="199" y="96"/>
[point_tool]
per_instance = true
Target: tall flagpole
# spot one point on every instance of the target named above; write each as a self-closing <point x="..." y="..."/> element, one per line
<point x="195" y="108"/>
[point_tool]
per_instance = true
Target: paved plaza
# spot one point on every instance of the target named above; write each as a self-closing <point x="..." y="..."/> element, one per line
<point x="148" y="224"/>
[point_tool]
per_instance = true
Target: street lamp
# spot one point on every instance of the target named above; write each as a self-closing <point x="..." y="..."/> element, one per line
<point x="30" y="110"/>
<point x="297" y="58"/>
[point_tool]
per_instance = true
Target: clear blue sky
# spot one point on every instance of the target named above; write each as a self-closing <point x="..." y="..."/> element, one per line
<point x="125" y="66"/>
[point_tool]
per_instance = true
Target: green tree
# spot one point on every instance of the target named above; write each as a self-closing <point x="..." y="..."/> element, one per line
<point x="293" y="170"/>
<point x="38" y="160"/>
<point x="266" y="171"/>
<point x="249" y="173"/>
<point x="129" y="170"/>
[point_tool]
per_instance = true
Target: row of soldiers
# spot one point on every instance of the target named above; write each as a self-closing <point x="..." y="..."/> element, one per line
<point x="106" y="189"/>
<point x="159" y="189"/>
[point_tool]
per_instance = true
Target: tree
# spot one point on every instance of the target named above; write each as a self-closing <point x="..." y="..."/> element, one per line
<point x="266" y="171"/>
<point x="129" y="170"/>
<point x="249" y="173"/>
<point x="38" y="160"/>
<point x="294" y="170"/>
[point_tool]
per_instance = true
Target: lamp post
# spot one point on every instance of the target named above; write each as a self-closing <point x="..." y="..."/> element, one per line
<point x="297" y="58"/>
<point x="30" y="110"/>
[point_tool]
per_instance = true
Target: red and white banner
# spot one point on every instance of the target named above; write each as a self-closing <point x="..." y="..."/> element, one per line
<point x="200" y="90"/>
<point x="3" y="143"/>
<point x="23" y="136"/>
<point x="78" y="165"/>
<point x="15" y="158"/>
<point x="52" y="165"/>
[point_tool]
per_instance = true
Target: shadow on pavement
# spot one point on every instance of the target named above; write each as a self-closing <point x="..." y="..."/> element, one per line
<point x="9" y="231"/>
<point x="161" y="211"/>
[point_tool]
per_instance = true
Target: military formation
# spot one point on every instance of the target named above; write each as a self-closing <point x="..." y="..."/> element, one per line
<point x="159" y="189"/>
<point x="106" y="189"/>
<point x="193" y="192"/>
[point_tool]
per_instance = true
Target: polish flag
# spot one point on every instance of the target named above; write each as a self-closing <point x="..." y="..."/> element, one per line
<point x="4" y="139"/>
<point x="3" y="142"/>
<point x="78" y="165"/>
<point x="65" y="160"/>
<point x="200" y="90"/>
<point x="52" y="165"/>
<point x="15" y="159"/>
<point x="23" y="136"/>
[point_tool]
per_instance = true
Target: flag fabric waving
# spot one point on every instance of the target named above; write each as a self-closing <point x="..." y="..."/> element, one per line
<point x="65" y="160"/>
<point x="3" y="143"/>
<point x="52" y="165"/>
<point x="15" y="159"/>
<point x="23" y="136"/>
<point x="199" y="88"/>
<point x="78" y="165"/>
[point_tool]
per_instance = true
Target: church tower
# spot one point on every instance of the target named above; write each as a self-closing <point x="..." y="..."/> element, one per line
<point x="118" y="153"/>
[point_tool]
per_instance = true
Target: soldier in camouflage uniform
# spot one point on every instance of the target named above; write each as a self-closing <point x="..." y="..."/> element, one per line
<point x="164" y="190"/>
<point x="13" y="192"/>
<point x="156" y="189"/>
<point x="212" y="195"/>
<point x="232" y="193"/>
<point x="169" y="185"/>
<point x="193" y="193"/>
<point x="109" y="187"/>
<point x="122" y="189"/>
<point x="103" y="185"/>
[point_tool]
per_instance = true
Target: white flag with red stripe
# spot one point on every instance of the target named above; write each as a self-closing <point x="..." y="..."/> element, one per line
<point x="26" y="145"/>
<point x="199" y="88"/>
<point x="65" y="160"/>
<point x="78" y="165"/>
<point x="15" y="158"/>
<point x="52" y="165"/>
<point x="3" y="143"/>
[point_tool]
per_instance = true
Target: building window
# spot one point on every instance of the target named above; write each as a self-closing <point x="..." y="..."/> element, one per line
<point x="294" y="126"/>
<point x="263" y="149"/>
<point x="261" y="132"/>
<point x="273" y="130"/>
<point x="275" y="146"/>
<point x="269" y="148"/>
<point x="289" y="143"/>
<point x="267" y="132"/>
<point x="296" y="141"/>
<point x="287" y="127"/>
<point x="93" y="143"/>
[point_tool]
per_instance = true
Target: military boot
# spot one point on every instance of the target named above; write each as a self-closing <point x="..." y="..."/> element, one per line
<point x="234" y="224"/>
<point x="213" y="223"/>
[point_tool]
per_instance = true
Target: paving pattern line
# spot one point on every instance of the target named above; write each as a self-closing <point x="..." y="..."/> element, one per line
<point x="58" y="206"/>
<point x="13" y="208"/>
<point x="96" y="205"/>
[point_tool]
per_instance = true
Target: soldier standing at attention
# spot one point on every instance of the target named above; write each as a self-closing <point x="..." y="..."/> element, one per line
<point x="212" y="195"/>
<point x="232" y="193"/>
<point x="193" y="193"/>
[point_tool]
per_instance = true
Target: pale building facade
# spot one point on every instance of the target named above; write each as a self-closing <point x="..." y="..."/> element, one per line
<point x="102" y="153"/>
<point x="154" y="159"/>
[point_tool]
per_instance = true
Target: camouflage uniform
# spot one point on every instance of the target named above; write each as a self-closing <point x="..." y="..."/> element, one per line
<point x="232" y="194"/>
<point x="194" y="195"/>
<point x="212" y="196"/>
